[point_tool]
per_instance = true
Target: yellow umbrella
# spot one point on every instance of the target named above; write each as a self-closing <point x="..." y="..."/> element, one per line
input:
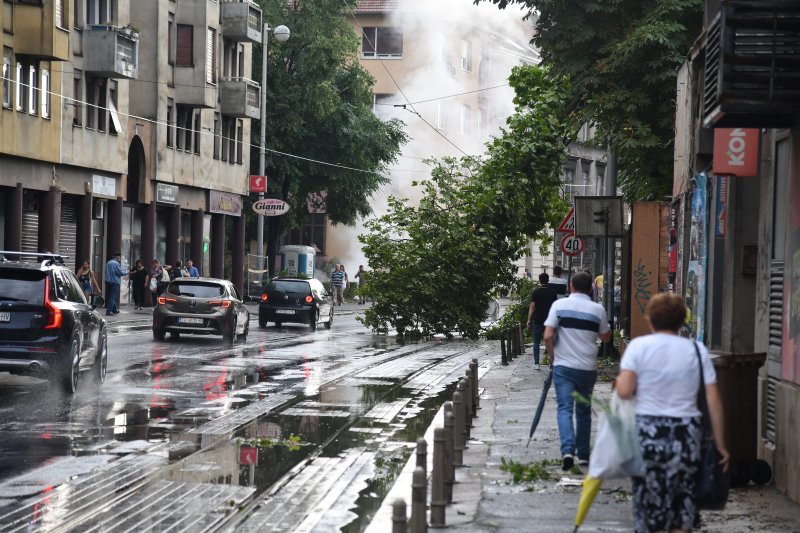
<point x="591" y="485"/>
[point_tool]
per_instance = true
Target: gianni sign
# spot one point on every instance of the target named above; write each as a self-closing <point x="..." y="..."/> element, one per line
<point x="270" y="207"/>
<point x="736" y="151"/>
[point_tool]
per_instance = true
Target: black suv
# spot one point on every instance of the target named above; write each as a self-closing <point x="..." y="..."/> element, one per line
<point x="47" y="327"/>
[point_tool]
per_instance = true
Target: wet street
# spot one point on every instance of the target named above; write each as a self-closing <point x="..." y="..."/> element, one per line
<point x="292" y="430"/>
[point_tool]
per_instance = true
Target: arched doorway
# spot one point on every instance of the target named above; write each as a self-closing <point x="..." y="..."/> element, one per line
<point x="136" y="170"/>
<point x="132" y="212"/>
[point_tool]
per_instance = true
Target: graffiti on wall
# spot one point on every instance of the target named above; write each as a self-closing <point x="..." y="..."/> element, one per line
<point x="642" y="286"/>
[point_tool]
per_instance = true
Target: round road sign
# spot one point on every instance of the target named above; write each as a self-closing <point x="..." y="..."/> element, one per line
<point x="572" y="245"/>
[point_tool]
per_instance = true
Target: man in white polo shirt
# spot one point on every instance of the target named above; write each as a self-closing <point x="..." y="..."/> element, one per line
<point x="571" y="332"/>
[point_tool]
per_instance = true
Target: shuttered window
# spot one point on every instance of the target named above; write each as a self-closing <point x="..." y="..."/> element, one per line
<point x="211" y="56"/>
<point x="61" y="15"/>
<point x="184" y="52"/>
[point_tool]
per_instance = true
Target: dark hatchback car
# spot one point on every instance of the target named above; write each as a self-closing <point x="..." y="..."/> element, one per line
<point x="47" y="328"/>
<point x="203" y="306"/>
<point x="295" y="300"/>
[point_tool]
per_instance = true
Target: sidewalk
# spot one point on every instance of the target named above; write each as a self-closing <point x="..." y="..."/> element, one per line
<point x="486" y="500"/>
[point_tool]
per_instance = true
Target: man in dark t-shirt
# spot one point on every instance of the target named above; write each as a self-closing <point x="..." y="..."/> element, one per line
<point x="541" y="300"/>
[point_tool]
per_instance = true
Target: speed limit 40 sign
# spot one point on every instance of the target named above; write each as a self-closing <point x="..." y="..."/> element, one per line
<point x="572" y="245"/>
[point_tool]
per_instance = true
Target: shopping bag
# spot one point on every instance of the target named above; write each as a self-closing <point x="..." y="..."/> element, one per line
<point x="616" y="452"/>
<point x="153" y="284"/>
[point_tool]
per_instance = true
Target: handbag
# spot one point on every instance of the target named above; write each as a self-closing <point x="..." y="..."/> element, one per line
<point x="711" y="491"/>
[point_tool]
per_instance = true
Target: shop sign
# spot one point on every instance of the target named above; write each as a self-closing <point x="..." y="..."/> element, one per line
<point x="104" y="186"/>
<point x="224" y="203"/>
<point x="258" y="183"/>
<point x="166" y="194"/>
<point x="270" y="207"/>
<point x="736" y="151"/>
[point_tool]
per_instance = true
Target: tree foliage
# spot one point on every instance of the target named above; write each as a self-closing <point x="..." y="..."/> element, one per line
<point x="435" y="266"/>
<point x="622" y="57"/>
<point x="319" y="106"/>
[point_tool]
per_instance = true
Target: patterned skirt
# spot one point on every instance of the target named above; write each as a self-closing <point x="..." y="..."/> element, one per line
<point x="664" y="498"/>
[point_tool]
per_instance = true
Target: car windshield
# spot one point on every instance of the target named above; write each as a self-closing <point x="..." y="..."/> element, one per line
<point x="196" y="289"/>
<point x="25" y="286"/>
<point x="288" y="286"/>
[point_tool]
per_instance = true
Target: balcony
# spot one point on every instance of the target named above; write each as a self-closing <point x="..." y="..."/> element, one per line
<point x="239" y="97"/>
<point x="38" y="34"/>
<point x="111" y="51"/>
<point x="241" y="21"/>
<point x="752" y="65"/>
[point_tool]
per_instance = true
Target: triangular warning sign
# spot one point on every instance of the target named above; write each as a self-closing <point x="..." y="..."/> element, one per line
<point x="568" y="224"/>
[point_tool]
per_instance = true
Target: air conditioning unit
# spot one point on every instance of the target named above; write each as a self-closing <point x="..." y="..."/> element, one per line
<point x="98" y="209"/>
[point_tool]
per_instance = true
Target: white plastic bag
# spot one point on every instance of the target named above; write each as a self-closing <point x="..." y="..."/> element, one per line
<point x="616" y="452"/>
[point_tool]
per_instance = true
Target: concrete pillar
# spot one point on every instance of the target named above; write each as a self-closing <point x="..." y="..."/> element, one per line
<point x="173" y="234"/>
<point x="217" y="260"/>
<point x="197" y="240"/>
<point x="237" y="254"/>
<point x="13" y="236"/>
<point x="49" y="220"/>
<point x="83" y="246"/>
<point x="114" y="228"/>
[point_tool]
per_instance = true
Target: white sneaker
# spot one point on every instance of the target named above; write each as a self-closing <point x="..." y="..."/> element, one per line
<point x="537" y="367"/>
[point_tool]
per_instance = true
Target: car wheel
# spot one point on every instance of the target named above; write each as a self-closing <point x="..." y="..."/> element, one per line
<point x="230" y="336"/>
<point x="159" y="334"/>
<point x="313" y="320"/>
<point x="69" y="381"/>
<point x="101" y="361"/>
<point x="243" y="336"/>
<point x="175" y="335"/>
<point x="329" y="323"/>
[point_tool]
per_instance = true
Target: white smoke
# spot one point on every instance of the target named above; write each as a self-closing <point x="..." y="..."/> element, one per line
<point x="433" y="67"/>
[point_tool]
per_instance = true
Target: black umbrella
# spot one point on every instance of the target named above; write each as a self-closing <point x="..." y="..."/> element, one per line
<point x="545" y="389"/>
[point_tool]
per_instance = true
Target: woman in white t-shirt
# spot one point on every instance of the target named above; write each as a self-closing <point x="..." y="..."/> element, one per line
<point x="661" y="371"/>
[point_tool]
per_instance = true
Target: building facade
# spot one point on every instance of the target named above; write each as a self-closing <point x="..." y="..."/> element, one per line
<point x="126" y="127"/>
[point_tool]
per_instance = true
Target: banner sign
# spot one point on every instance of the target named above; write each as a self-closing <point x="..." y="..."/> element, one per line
<point x="736" y="151"/>
<point x="224" y="203"/>
<point x="104" y="186"/>
<point x="166" y="194"/>
<point x="270" y="207"/>
<point x="258" y="184"/>
<point x="696" y="276"/>
<point x="721" y="224"/>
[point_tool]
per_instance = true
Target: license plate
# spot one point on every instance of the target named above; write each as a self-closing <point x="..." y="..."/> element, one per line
<point x="284" y="311"/>
<point x="5" y="317"/>
<point x="194" y="321"/>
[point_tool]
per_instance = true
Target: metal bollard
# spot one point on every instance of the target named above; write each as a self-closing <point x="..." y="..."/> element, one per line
<point x="438" y="496"/>
<point x="513" y="333"/>
<point x="463" y="412"/>
<point x="503" y="357"/>
<point x="399" y="520"/>
<point x="476" y="396"/>
<point x="458" y="431"/>
<point x="419" y="502"/>
<point x="449" y="469"/>
<point x="517" y="338"/>
<point x="521" y="332"/>
<point x="422" y="454"/>
<point x="509" y="347"/>
<point x="468" y="396"/>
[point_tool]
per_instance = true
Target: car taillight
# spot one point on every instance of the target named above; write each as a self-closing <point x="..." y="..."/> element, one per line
<point x="162" y="300"/>
<point x="264" y="297"/>
<point x="55" y="318"/>
<point x="309" y="299"/>
<point x="222" y="303"/>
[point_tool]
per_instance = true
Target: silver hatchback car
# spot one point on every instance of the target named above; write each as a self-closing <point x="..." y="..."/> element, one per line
<point x="204" y="306"/>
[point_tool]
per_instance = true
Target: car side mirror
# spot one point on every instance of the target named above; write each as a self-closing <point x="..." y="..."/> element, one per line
<point x="96" y="301"/>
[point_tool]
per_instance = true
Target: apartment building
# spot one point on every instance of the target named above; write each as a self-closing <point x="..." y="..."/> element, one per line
<point x="126" y="127"/>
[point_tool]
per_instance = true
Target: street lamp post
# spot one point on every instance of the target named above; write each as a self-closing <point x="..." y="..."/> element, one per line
<point x="282" y="35"/>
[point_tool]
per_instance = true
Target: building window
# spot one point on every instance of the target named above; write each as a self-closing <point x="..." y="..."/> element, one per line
<point x="185" y="130"/>
<point x="466" y="56"/>
<point x="441" y="116"/>
<point x="61" y="15"/>
<point x="447" y="59"/>
<point x="76" y="14"/>
<point x="569" y="175"/>
<point x="382" y="42"/>
<point x="211" y="56"/>
<point x="33" y="90"/>
<point x="466" y="111"/>
<point x="197" y="126"/>
<point x="100" y="12"/>
<point x="45" y="93"/>
<point x="171" y="39"/>
<point x="184" y="52"/>
<point x="6" y="77"/>
<point x="231" y="141"/>
<point x="96" y="103"/>
<point x="77" y="99"/>
<point x="170" y="122"/>
<point x="216" y="135"/>
<point x="22" y="90"/>
<point x="115" y="125"/>
<point x="239" y="140"/>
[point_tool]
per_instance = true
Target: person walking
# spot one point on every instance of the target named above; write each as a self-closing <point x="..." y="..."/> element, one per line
<point x="662" y="371"/>
<point x="558" y="283"/>
<point x="178" y="271"/>
<point x="361" y="277"/>
<point x="571" y="331"/>
<point x="541" y="301"/>
<point x="87" y="280"/>
<point x="159" y="279"/>
<point x="138" y="277"/>
<point x="338" y="283"/>
<point x="114" y="275"/>
<point x="191" y="269"/>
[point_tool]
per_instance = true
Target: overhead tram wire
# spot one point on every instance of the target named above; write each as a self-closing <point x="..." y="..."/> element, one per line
<point x="400" y="89"/>
<point x="206" y="131"/>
